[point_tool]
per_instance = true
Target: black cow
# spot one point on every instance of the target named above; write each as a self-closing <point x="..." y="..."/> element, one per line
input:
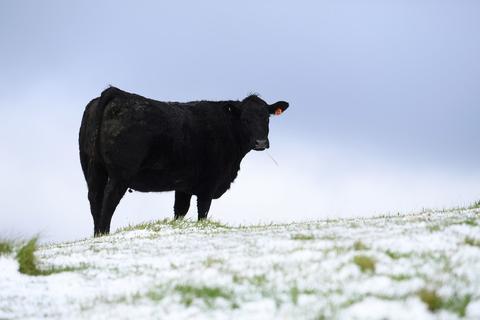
<point x="195" y="148"/>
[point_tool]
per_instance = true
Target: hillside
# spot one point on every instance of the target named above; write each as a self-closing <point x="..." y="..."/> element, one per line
<point x="419" y="266"/>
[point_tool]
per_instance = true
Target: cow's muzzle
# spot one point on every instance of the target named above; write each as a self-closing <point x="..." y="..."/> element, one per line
<point x="261" y="145"/>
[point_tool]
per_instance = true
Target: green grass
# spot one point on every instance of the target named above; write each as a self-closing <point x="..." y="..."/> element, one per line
<point x="359" y="245"/>
<point x="431" y="299"/>
<point x="212" y="224"/>
<point x="206" y="294"/>
<point x="395" y="255"/>
<point x="475" y="205"/>
<point x="140" y="226"/>
<point x="329" y="237"/>
<point x="434" y="302"/>
<point x="472" y="241"/>
<point x="434" y="228"/>
<point x="258" y="280"/>
<point x="27" y="261"/>
<point x="457" y="304"/>
<point x="175" y="224"/>
<point x="294" y="293"/>
<point x="302" y="237"/>
<point x="471" y="222"/>
<point x="400" y="277"/>
<point x="212" y="261"/>
<point x="215" y="225"/>
<point x="365" y="263"/>
<point x="156" y="294"/>
<point x="6" y="247"/>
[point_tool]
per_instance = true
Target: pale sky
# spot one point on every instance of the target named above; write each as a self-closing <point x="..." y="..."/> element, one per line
<point x="384" y="102"/>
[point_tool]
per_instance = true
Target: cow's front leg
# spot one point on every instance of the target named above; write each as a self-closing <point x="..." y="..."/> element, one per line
<point x="203" y="205"/>
<point x="182" y="203"/>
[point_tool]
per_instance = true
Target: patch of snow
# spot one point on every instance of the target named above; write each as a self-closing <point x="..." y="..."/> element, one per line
<point x="373" y="309"/>
<point x="255" y="272"/>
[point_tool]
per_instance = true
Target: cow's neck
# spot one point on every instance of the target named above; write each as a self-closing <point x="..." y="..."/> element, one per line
<point x="242" y="145"/>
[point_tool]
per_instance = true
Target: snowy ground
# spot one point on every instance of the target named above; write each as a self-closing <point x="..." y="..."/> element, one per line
<point x="374" y="268"/>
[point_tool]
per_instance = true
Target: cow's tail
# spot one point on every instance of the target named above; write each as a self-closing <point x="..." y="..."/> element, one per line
<point x="106" y="96"/>
<point x="90" y="128"/>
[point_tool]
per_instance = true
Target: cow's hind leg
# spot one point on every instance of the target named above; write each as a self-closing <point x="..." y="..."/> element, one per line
<point x="114" y="192"/>
<point x="203" y="206"/>
<point x="96" y="177"/>
<point x="182" y="204"/>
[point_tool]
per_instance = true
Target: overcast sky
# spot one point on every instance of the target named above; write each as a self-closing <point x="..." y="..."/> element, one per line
<point x="384" y="97"/>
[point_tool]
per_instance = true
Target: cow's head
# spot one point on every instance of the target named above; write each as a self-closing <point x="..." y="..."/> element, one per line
<point x="253" y="114"/>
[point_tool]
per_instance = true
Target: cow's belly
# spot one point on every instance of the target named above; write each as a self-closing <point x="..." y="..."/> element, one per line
<point x="161" y="180"/>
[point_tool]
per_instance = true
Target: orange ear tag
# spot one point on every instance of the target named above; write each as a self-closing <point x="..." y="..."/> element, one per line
<point x="278" y="111"/>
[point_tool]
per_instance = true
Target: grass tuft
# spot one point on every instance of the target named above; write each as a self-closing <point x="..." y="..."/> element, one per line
<point x="303" y="237"/>
<point x="294" y="293"/>
<point x="400" y="277"/>
<point x="475" y="205"/>
<point x="27" y="261"/>
<point x="434" y="302"/>
<point x="366" y="264"/>
<point x="431" y="299"/>
<point x="156" y="294"/>
<point x="472" y="241"/>
<point x="396" y="255"/>
<point x="5" y="247"/>
<point x="434" y="228"/>
<point x="458" y="304"/>
<point x="470" y="222"/>
<point x="190" y="293"/>
<point x="359" y="245"/>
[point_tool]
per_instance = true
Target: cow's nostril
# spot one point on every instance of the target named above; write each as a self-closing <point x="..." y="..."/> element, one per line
<point x="261" y="142"/>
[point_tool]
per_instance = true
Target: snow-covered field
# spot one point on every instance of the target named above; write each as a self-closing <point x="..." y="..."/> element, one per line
<point x="421" y="266"/>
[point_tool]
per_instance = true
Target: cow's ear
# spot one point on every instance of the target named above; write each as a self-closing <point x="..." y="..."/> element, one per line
<point x="232" y="109"/>
<point x="278" y="108"/>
